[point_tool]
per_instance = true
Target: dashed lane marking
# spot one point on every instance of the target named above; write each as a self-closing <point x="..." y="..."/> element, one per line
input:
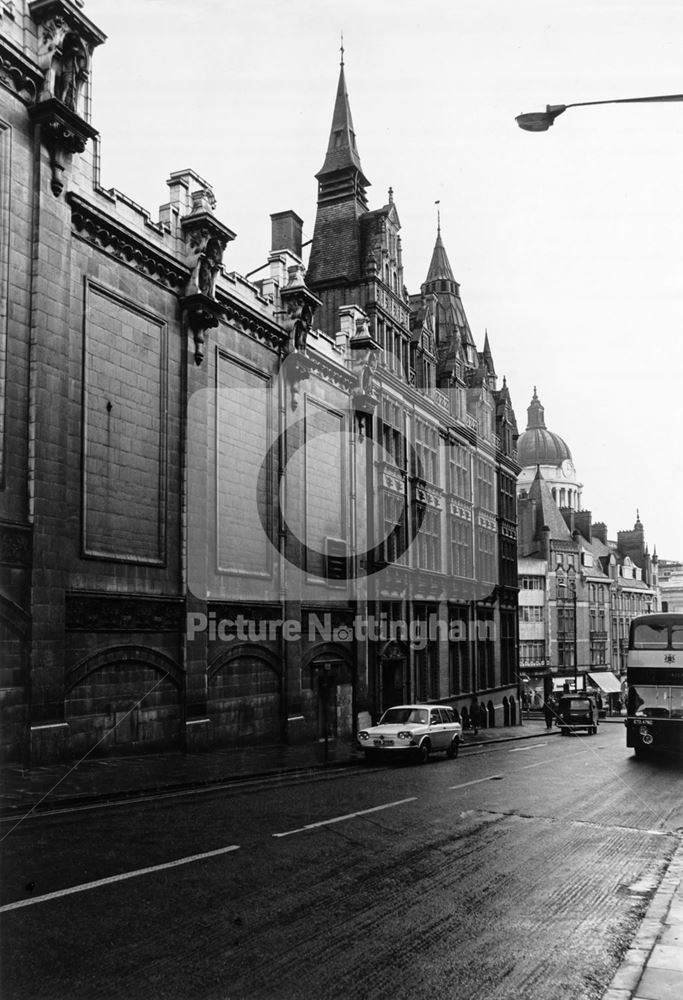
<point x="340" y="819"/>
<point x="478" y="781"/>
<point x="116" y="878"/>
<point x="536" y="746"/>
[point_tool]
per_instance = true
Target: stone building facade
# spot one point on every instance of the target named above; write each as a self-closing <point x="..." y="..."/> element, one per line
<point x="579" y="590"/>
<point x="230" y="512"/>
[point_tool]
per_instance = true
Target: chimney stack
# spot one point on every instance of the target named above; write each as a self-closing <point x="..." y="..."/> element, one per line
<point x="286" y="232"/>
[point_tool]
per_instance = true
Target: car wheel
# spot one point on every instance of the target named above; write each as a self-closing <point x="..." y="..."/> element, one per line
<point x="423" y="752"/>
<point x="453" y="748"/>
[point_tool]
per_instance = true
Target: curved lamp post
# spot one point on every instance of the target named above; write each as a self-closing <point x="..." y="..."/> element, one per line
<point x="540" y="121"/>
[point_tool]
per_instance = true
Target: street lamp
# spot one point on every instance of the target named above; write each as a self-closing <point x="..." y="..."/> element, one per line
<point x="540" y="121"/>
<point x="571" y="582"/>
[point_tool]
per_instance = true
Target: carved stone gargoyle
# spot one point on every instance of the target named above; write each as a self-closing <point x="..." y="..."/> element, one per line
<point x="299" y="306"/>
<point x="206" y="239"/>
<point x="66" y="40"/>
<point x="365" y="355"/>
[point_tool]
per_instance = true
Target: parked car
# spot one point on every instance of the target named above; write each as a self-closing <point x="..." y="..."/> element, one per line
<point x="414" y="731"/>
<point x="576" y="712"/>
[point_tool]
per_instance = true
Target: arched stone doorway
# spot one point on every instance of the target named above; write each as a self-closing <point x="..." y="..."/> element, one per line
<point x="125" y="699"/>
<point x="244" y="697"/>
<point x="330" y="677"/>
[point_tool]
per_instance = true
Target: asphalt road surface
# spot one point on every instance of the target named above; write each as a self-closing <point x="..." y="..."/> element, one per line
<point x="516" y="872"/>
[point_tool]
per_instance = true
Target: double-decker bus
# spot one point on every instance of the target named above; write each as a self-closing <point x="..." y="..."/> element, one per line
<point x="654" y="674"/>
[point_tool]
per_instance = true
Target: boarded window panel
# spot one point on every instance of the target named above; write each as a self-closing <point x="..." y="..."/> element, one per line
<point x="325" y="482"/>
<point x="124" y="430"/>
<point x="243" y="440"/>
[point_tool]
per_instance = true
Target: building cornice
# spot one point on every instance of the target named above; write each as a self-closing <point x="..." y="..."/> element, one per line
<point x="116" y="240"/>
<point x="19" y="74"/>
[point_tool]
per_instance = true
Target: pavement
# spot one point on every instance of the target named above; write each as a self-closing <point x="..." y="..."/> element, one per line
<point x="652" y="968"/>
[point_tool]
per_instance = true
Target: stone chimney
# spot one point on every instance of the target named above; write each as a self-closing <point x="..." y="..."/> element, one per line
<point x="600" y="531"/>
<point x="286" y="232"/>
<point x="582" y="520"/>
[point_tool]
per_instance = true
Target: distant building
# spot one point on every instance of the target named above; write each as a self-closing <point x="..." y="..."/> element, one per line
<point x="578" y="589"/>
<point x="671" y="585"/>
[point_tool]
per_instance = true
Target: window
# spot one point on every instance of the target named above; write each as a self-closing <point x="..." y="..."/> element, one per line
<point x="486" y="555"/>
<point x="394" y="528"/>
<point x="461" y="547"/>
<point x="484" y="485"/>
<point x="428" y="541"/>
<point x="460" y="482"/>
<point x="426" y="452"/>
<point x="532" y="583"/>
<point x="391" y="433"/>
<point x="531" y="614"/>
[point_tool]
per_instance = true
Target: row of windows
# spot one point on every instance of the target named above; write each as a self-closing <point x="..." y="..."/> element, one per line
<point x="533" y="650"/>
<point x="531" y="614"/>
<point x="532" y="583"/>
<point x="392" y="431"/>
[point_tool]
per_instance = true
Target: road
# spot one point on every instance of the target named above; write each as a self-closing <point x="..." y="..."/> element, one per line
<point x="516" y="871"/>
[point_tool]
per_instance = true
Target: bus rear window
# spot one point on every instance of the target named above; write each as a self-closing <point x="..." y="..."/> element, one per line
<point x="677" y="636"/>
<point x="651" y="636"/>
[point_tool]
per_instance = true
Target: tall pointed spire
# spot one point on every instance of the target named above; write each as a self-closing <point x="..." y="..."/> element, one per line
<point x="336" y="246"/>
<point x="342" y="151"/>
<point x="488" y="357"/>
<point x="440" y="268"/>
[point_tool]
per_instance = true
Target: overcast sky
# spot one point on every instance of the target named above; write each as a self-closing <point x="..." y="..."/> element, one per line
<point x="567" y="244"/>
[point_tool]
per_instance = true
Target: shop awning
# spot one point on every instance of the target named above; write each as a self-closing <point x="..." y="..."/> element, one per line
<point x="606" y="681"/>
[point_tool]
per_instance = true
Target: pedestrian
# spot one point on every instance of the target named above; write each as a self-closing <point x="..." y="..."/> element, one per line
<point x="549" y="708"/>
<point x="474" y="716"/>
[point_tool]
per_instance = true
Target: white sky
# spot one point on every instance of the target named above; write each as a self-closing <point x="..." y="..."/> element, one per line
<point x="567" y="244"/>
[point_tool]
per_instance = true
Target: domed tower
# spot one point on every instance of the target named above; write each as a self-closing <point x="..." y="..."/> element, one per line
<point x="541" y="448"/>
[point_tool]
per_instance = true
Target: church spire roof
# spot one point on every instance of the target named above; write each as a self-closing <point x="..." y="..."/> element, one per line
<point x="440" y="268"/>
<point x="342" y="151"/>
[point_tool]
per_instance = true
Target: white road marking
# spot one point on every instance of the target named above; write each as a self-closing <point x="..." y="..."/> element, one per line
<point x="536" y="746"/>
<point x="491" y="777"/>
<point x="553" y="760"/>
<point x="340" y="819"/>
<point x="116" y="878"/>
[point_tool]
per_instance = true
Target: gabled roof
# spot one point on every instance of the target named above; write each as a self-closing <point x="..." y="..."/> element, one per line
<point x="536" y="511"/>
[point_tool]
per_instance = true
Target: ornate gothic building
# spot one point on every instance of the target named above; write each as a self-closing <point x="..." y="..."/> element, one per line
<point x="231" y="512"/>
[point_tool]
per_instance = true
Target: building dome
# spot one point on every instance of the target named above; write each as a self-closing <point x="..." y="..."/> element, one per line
<point x="537" y="445"/>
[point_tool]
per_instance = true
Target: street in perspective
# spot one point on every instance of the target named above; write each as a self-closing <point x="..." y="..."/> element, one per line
<point x="522" y="868"/>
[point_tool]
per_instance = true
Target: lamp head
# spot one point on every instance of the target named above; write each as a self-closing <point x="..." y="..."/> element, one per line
<point x="540" y="121"/>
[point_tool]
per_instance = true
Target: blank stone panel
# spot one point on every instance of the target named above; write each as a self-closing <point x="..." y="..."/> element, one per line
<point x="124" y="430"/>
<point x="324" y="482"/>
<point x="243" y="470"/>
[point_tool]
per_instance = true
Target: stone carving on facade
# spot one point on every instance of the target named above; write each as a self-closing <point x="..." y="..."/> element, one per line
<point x="66" y="40"/>
<point x="365" y="355"/>
<point x="299" y="306"/>
<point x="97" y="613"/>
<point x="206" y="239"/>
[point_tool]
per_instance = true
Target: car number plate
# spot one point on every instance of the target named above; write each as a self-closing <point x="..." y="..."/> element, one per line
<point x="384" y="743"/>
